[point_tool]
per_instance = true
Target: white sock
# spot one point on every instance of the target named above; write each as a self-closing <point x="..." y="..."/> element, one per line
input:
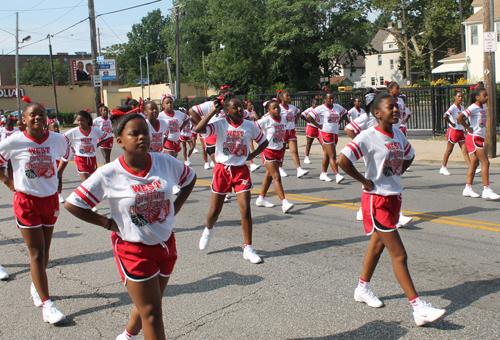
<point x="416" y="303"/>
<point x="364" y="284"/>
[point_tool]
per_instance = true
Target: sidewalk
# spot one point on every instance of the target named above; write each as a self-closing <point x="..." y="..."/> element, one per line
<point x="428" y="151"/>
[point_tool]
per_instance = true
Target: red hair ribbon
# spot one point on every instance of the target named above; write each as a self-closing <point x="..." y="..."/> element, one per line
<point x="326" y="89"/>
<point x="141" y="104"/>
<point x="246" y="102"/>
<point x="116" y="112"/>
<point x="167" y="95"/>
<point x="26" y="99"/>
<point x="102" y="104"/>
<point x="87" y="110"/>
<point x="221" y="97"/>
<point x="53" y="120"/>
<point x="474" y="87"/>
<point x="12" y="118"/>
<point x="279" y="91"/>
<point x="128" y="98"/>
<point x="42" y="104"/>
<point x="223" y="87"/>
<point x="458" y="90"/>
<point x="387" y="82"/>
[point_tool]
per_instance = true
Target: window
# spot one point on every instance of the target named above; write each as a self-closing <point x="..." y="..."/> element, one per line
<point x="498" y="31"/>
<point x="382" y="83"/>
<point x="473" y="35"/>
<point x="392" y="64"/>
<point x="374" y="81"/>
<point x="380" y="59"/>
<point x="391" y="45"/>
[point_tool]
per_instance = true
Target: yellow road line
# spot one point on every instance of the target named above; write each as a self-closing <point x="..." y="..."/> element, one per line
<point x="355" y="206"/>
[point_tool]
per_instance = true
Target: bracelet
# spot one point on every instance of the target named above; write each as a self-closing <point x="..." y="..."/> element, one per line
<point x="108" y="224"/>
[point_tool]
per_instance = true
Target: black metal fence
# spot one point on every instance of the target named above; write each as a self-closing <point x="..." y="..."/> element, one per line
<point x="427" y="104"/>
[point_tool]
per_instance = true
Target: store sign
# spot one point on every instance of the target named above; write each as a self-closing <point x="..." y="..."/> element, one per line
<point x="82" y="70"/>
<point x="9" y="92"/>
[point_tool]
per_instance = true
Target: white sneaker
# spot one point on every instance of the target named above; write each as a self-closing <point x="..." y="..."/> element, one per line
<point x="123" y="336"/>
<point x="263" y="202"/>
<point x="3" y="274"/>
<point x="367" y="296"/>
<point x="488" y="193"/>
<point x="339" y="178"/>
<point x="176" y="189"/>
<point x="444" y="171"/>
<point x="307" y="160"/>
<point x="468" y="192"/>
<point x="286" y="206"/>
<point x="94" y="209"/>
<point x="51" y="314"/>
<point x="212" y="164"/>
<point x="227" y="198"/>
<point x="301" y="172"/>
<point x="250" y="254"/>
<point x="195" y="150"/>
<point x="478" y="171"/>
<point x="359" y="214"/>
<point x="61" y="198"/>
<point x="403" y="220"/>
<point x="34" y="295"/>
<point x="207" y="166"/>
<point x="188" y="162"/>
<point x="325" y="177"/>
<point x="283" y="173"/>
<point x="426" y="313"/>
<point x="254" y="167"/>
<point x="205" y="238"/>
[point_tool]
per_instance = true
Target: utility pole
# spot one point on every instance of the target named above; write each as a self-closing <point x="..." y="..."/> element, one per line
<point x="53" y="77"/>
<point x="167" y="59"/>
<point x="99" y="40"/>
<point x="18" y="93"/>
<point x="408" y="76"/>
<point x="176" y="14"/>
<point x="147" y="69"/>
<point x="142" y="82"/>
<point x="95" y="66"/>
<point x="490" y="83"/>
<point x="462" y="43"/>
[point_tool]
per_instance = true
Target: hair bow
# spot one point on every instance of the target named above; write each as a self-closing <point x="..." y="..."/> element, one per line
<point x="369" y="98"/>
<point x="42" y="104"/>
<point x="474" y="87"/>
<point x="128" y="97"/>
<point x="458" y="90"/>
<point x="246" y="102"/>
<point x="374" y="90"/>
<point x="53" y="120"/>
<point x="87" y="110"/>
<point x="326" y="89"/>
<point x="268" y="101"/>
<point x="387" y="82"/>
<point x="279" y="91"/>
<point x="167" y="95"/>
<point x="26" y="99"/>
<point x="11" y="118"/>
<point x="223" y="87"/>
<point x="116" y="112"/>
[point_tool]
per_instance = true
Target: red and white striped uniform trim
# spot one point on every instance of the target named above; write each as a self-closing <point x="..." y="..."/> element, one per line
<point x="356" y="127"/>
<point x="184" y="176"/>
<point x="86" y="196"/>
<point x="407" y="148"/>
<point x="260" y="137"/>
<point x="3" y="159"/>
<point x="356" y="149"/>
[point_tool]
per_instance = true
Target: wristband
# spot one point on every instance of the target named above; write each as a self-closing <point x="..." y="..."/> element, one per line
<point x="108" y="224"/>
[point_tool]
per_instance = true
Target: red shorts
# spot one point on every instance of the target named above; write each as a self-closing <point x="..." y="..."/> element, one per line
<point x="380" y="212"/>
<point x="455" y="136"/>
<point x="208" y="145"/>
<point x="186" y="138"/>
<point x="211" y="140"/>
<point x="312" y="131"/>
<point x="473" y="143"/>
<point x="175" y="147"/>
<point x="231" y="176"/>
<point x="33" y="212"/>
<point x="403" y="129"/>
<point x="86" y="165"/>
<point x="108" y="144"/>
<point x="290" y="135"/>
<point x="328" y="138"/>
<point x="140" y="262"/>
<point x="269" y="155"/>
<point x="194" y="135"/>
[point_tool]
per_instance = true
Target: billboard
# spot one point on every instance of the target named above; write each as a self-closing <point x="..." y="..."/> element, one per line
<point x="82" y="70"/>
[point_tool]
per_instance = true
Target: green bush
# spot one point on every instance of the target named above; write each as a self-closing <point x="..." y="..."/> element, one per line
<point x="68" y="117"/>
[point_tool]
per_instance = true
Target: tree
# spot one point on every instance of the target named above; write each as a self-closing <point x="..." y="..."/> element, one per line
<point x="37" y="72"/>
<point x="118" y="51"/>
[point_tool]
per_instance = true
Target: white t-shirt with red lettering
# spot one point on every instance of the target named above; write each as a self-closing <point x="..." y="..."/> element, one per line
<point x="34" y="161"/>
<point x="174" y="123"/>
<point x="157" y="135"/>
<point x="290" y="113"/>
<point x="104" y="125"/>
<point x="85" y="144"/>
<point x="477" y="117"/>
<point x="140" y="203"/>
<point x="452" y="114"/>
<point x="329" y="117"/>
<point x="5" y="133"/>
<point x="402" y="113"/>
<point x="233" y="141"/>
<point x="355" y="113"/>
<point x="383" y="155"/>
<point x="275" y="130"/>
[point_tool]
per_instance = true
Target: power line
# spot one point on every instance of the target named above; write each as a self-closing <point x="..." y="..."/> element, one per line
<point x="60" y="16"/>
<point x="112" y="31"/>
<point x="40" y="9"/>
<point x="126" y="9"/>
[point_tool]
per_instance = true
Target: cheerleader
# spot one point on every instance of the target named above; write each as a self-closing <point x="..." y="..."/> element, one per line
<point x="187" y="139"/>
<point x="311" y="130"/>
<point x="138" y="187"/>
<point x="292" y="116"/>
<point x="36" y="207"/>
<point x="330" y="116"/>
<point x="231" y="153"/>
<point x="387" y="154"/>
<point x="356" y="109"/>
<point x="85" y="139"/>
<point x="176" y="121"/>
<point x="273" y="124"/>
<point x="5" y="132"/>
<point x="455" y="133"/>
<point x="104" y="123"/>
<point x="249" y="114"/>
<point x="478" y="116"/>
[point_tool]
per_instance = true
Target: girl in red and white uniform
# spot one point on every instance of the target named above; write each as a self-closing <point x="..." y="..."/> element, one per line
<point x="157" y="127"/>
<point x="478" y="116"/>
<point x="330" y="116"/>
<point x="249" y="114"/>
<point x="292" y="115"/>
<point x="138" y="188"/>
<point x="85" y="139"/>
<point x="273" y="124"/>
<point x="104" y="123"/>
<point x="176" y="121"/>
<point x="187" y="139"/>
<point x="197" y="112"/>
<point x="405" y="116"/>
<point x="33" y="155"/>
<point x="455" y="133"/>
<point x="5" y="132"/>
<point x="356" y="109"/>
<point x="232" y="150"/>
<point x="387" y="154"/>
<point x="311" y="130"/>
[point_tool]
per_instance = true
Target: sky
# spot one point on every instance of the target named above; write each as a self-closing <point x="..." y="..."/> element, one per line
<point x="38" y="18"/>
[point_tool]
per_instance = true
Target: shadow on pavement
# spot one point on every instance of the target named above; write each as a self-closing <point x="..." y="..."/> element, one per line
<point x="373" y="330"/>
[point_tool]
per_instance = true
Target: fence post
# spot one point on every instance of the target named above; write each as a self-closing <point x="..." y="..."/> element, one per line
<point x="433" y="110"/>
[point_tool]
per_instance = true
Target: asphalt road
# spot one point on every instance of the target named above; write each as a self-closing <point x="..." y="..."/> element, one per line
<point x="303" y="290"/>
